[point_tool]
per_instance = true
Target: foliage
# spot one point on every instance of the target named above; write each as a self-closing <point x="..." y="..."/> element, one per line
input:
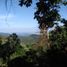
<point x="47" y="11"/>
<point x="58" y="37"/>
<point x="25" y="2"/>
<point x="0" y="41"/>
<point x="53" y="57"/>
<point x="9" y="47"/>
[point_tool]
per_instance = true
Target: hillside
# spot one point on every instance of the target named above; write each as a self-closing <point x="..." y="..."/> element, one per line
<point x="4" y="34"/>
<point x="25" y="39"/>
<point x="31" y="39"/>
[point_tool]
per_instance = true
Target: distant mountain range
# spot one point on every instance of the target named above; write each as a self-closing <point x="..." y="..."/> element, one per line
<point x="19" y="34"/>
<point x="4" y="34"/>
<point x="24" y="37"/>
<point x="23" y="34"/>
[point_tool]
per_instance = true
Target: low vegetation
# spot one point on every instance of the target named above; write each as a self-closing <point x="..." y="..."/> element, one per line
<point x="13" y="50"/>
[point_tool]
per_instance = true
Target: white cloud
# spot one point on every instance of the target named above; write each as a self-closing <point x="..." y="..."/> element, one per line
<point x="4" y="17"/>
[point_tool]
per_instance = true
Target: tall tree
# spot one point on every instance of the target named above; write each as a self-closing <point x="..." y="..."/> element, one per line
<point x="47" y="13"/>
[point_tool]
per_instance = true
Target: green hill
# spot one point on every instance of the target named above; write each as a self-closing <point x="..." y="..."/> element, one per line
<point x="31" y="39"/>
<point x="25" y="39"/>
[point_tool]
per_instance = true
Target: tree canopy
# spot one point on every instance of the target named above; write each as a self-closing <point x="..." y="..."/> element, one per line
<point x="47" y="11"/>
<point x="47" y="15"/>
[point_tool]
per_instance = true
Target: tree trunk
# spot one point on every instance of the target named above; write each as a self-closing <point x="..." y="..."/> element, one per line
<point x="43" y="38"/>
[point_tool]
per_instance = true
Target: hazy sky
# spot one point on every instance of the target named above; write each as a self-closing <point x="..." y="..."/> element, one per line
<point x="14" y="18"/>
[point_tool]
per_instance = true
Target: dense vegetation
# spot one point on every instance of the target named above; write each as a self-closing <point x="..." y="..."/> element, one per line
<point x="14" y="54"/>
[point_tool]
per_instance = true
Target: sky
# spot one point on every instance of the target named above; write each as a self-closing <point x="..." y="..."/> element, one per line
<point x="14" y="18"/>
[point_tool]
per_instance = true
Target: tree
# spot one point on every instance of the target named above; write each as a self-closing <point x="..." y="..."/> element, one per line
<point x="0" y="41"/>
<point x="9" y="47"/>
<point x="59" y="40"/>
<point x="47" y="13"/>
<point x="14" y="43"/>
